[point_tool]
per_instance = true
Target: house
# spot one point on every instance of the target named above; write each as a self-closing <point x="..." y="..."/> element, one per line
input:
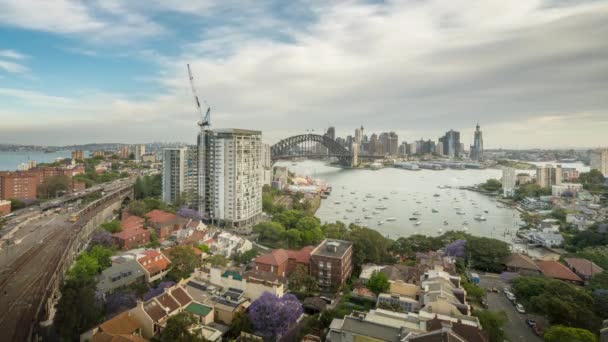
<point x="283" y="261"/>
<point x="314" y="305"/>
<point x="164" y="223"/>
<point x="392" y="301"/>
<point x="122" y="327"/>
<point x="228" y="244"/>
<point x="153" y="314"/>
<point x="228" y="305"/>
<point x="583" y="268"/>
<point x="522" y="264"/>
<point x="331" y="263"/>
<point x="154" y="263"/>
<point x="133" y="233"/>
<point x="556" y="270"/>
<point x="546" y="239"/>
<point x="204" y="313"/>
<point x="442" y="293"/>
<point x="124" y="271"/>
<point x="252" y="283"/>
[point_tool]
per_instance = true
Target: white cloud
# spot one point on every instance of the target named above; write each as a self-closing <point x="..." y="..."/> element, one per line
<point x="12" y="67"/>
<point x="12" y="54"/>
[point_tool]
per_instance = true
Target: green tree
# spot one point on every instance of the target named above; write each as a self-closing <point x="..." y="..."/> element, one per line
<point x="54" y="186"/>
<point x="183" y="262"/>
<point x="492" y="185"/>
<point x="77" y="309"/>
<point x="559" y="214"/>
<point x="492" y="322"/>
<point x="240" y="323"/>
<point x="560" y="333"/>
<point x="102" y="255"/>
<point x="487" y="254"/>
<point x="178" y="329"/>
<point x="217" y="260"/>
<point x="378" y="283"/>
<point x="474" y="291"/>
<point x="598" y="281"/>
<point x="112" y="226"/>
<point x="154" y="243"/>
<point x="16" y="204"/>
<point x="294" y="238"/>
<point x="302" y="282"/>
<point x="204" y="248"/>
<point x="246" y="257"/>
<point x="335" y="230"/>
<point x="272" y="232"/>
<point x="86" y="267"/>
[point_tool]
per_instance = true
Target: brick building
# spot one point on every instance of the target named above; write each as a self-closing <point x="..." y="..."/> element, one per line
<point x="19" y="185"/>
<point x="164" y="223"/>
<point x="78" y="155"/>
<point x="133" y="233"/>
<point x="283" y="261"/>
<point x="331" y="263"/>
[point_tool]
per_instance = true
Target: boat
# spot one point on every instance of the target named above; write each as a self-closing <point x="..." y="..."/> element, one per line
<point x="345" y="218"/>
<point x="465" y="223"/>
<point x="480" y="218"/>
<point x="384" y="197"/>
<point x="349" y="210"/>
<point x="367" y="217"/>
<point x="434" y="210"/>
<point x="416" y="213"/>
<point x="375" y="212"/>
<point x="460" y="212"/>
<point x="390" y="219"/>
<point x="436" y="195"/>
<point x="500" y="206"/>
<point x="381" y="207"/>
<point x="380" y="222"/>
<point x="363" y="209"/>
<point x="369" y="196"/>
<point x="394" y="192"/>
<point x="352" y="192"/>
<point x="365" y="225"/>
<point x="445" y="223"/>
<point x="413" y="219"/>
<point x="417" y="223"/>
<point x="485" y="211"/>
<point x="418" y="202"/>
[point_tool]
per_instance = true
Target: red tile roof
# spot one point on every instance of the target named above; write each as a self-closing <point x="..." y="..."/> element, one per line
<point x="583" y="267"/>
<point x="554" y="269"/>
<point x="123" y="323"/>
<point x="181" y="296"/>
<point x="153" y="261"/>
<point x="280" y="256"/>
<point x="131" y="226"/>
<point x="159" y="216"/>
<point x="168" y="302"/>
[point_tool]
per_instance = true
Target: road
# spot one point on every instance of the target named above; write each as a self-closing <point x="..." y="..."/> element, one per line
<point x="515" y="328"/>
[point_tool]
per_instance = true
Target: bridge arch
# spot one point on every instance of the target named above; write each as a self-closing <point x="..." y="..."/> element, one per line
<point x="285" y="148"/>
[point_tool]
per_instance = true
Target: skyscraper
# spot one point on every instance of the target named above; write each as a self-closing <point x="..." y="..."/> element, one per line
<point x="599" y="161"/>
<point x="331" y="132"/>
<point x="508" y="181"/>
<point x="180" y="175"/>
<point x="451" y="143"/>
<point x="231" y="184"/>
<point x="140" y="150"/>
<point x="548" y="175"/>
<point x="477" y="147"/>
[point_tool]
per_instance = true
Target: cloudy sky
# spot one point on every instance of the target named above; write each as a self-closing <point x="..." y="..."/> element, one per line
<point x="533" y="73"/>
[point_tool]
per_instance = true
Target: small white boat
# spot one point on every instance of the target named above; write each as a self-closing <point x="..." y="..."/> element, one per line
<point x="352" y="192"/>
<point x="337" y="202"/>
<point x="381" y="207"/>
<point x="375" y="212"/>
<point x="390" y="219"/>
<point x="445" y="223"/>
<point x="380" y="223"/>
<point x="367" y="217"/>
<point x="416" y="213"/>
<point x="480" y="218"/>
<point x="434" y="210"/>
<point x="363" y="209"/>
<point x="460" y="212"/>
<point x="385" y="197"/>
<point x="345" y="218"/>
<point x="500" y="206"/>
<point x="417" y="223"/>
<point x="349" y="210"/>
<point x="394" y="192"/>
<point x="436" y="195"/>
<point x="439" y="231"/>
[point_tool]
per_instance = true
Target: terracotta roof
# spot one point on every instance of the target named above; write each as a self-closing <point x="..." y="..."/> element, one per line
<point x="521" y="261"/>
<point x="159" y="216"/>
<point x="553" y="269"/>
<point x="154" y="310"/>
<point x="583" y="267"/>
<point x="181" y="296"/>
<point x="467" y="332"/>
<point x="168" y="302"/>
<point x="123" y="323"/>
<point x="105" y="337"/>
<point x="153" y="261"/>
<point x="279" y="256"/>
<point x="132" y="222"/>
<point x="131" y="226"/>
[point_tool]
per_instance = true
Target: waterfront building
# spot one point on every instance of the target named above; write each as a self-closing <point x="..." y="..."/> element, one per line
<point x="451" y="144"/>
<point x="331" y="133"/>
<point x="78" y="155"/>
<point x="140" y="150"/>
<point x="599" y="161"/>
<point x="230" y="176"/>
<point x="548" y="175"/>
<point x="358" y="135"/>
<point x="439" y="149"/>
<point x="508" y="181"/>
<point x="477" y="147"/>
<point x="412" y="149"/>
<point x="331" y="263"/>
<point x="19" y="185"/>
<point x="180" y="175"/>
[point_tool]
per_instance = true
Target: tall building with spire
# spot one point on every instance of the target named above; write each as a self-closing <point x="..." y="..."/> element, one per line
<point x="477" y="147"/>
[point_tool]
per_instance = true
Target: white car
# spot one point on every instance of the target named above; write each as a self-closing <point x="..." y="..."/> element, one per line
<point x="520" y="308"/>
<point x="510" y="296"/>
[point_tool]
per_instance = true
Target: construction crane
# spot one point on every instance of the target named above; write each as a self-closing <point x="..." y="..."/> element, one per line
<point x="205" y="119"/>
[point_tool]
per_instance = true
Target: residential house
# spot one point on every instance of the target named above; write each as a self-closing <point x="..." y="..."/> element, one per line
<point x="442" y="293"/>
<point x="228" y="244"/>
<point x="392" y="301"/>
<point x="133" y="233"/>
<point x="122" y="327"/>
<point x="556" y="270"/>
<point x="124" y="271"/>
<point x="228" y="305"/>
<point x="546" y="239"/>
<point x="583" y="268"/>
<point x="253" y="283"/>
<point x="154" y="263"/>
<point x="164" y="223"/>
<point x="283" y="261"/>
<point x="331" y="263"/>
<point x="522" y="264"/>
<point x="203" y="312"/>
<point x="153" y="314"/>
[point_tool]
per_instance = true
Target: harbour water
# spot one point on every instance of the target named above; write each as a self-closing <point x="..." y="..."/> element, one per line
<point x="10" y="160"/>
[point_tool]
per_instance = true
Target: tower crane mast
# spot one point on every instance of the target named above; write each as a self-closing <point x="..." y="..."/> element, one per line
<point x="206" y="118"/>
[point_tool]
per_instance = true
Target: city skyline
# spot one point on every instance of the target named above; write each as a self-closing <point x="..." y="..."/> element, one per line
<point x="92" y="72"/>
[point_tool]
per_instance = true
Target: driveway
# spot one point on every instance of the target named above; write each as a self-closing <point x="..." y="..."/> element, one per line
<point x="515" y="328"/>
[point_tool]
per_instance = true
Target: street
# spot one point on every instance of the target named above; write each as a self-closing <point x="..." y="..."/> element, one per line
<point x="515" y="327"/>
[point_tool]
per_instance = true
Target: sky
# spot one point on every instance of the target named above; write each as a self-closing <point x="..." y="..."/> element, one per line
<point x="533" y="73"/>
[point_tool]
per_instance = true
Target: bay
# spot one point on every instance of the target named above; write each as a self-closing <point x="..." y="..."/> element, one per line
<point x="10" y="160"/>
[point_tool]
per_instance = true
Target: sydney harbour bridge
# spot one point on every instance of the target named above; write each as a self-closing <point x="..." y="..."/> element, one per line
<point x="307" y="146"/>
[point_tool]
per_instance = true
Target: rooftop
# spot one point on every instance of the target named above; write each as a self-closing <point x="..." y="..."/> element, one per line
<point x="521" y="261"/>
<point x="199" y="309"/>
<point x="584" y="267"/>
<point x="554" y="269"/>
<point x="332" y="248"/>
<point x="279" y="256"/>
<point x="122" y="323"/>
<point x="159" y="216"/>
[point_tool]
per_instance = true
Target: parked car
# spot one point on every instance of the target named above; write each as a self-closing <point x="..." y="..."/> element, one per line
<point x="510" y="296"/>
<point x="530" y="322"/>
<point x="520" y="308"/>
<point x="506" y="290"/>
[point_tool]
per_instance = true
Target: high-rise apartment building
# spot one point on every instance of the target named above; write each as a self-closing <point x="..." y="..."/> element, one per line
<point x="331" y="132"/>
<point x="230" y="176"/>
<point x="180" y="175"/>
<point x="508" y="181"/>
<point x="78" y="155"/>
<point x="451" y="143"/>
<point x="599" y="161"/>
<point x="547" y="175"/>
<point x="477" y="147"/>
<point x="140" y="150"/>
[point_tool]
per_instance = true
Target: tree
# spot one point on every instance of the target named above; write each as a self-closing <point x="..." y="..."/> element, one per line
<point x="86" y="267"/>
<point x="16" y="204"/>
<point x="54" y="186"/>
<point x="183" y="262"/>
<point x="302" y="282"/>
<point x="102" y="238"/>
<point x="102" y="255"/>
<point x="487" y="254"/>
<point x="77" y="310"/>
<point x="272" y="232"/>
<point x="273" y="316"/>
<point x="378" y="283"/>
<point x="217" y="260"/>
<point x="369" y="246"/>
<point x="560" y="333"/>
<point x="456" y="249"/>
<point x="492" y="185"/>
<point x="294" y="238"/>
<point x="112" y="226"/>
<point x="240" y="323"/>
<point x="474" y="291"/>
<point x="154" y="243"/>
<point x="246" y="257"/>
<point x="120" y="301"/>
<point x="559" y="214"/>
<point x="178" y="329"/>
<point x="600" y="300"/>
<point x="204" y="248"/>
<point x="492" y="322"/>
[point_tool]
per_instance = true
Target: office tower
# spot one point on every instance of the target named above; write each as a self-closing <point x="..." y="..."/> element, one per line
<point x="230" y="182"/>
<point x="393" y="144"/>
<point x="349" y="141"/>
<point x="403" y="148"/>
<point x="180" y="175"/>
<point x="508" y="181"/>
<point x="439" y="148"/>
<point x="477" y="147"/>
<point x="451" y="143"/>
<point x="599" y="161"/>
<point x="140" y="150"/>
<point x="358" y="135"/>
<point x="331" y="133"/>
<point x="547" y="175"/>
<point x="412" y="148"/>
